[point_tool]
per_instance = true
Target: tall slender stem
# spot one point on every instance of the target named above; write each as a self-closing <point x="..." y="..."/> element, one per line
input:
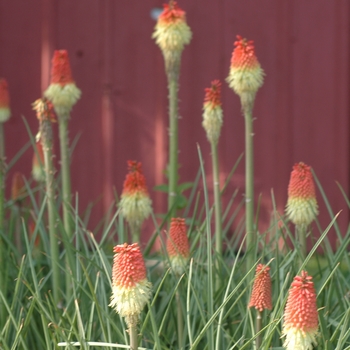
<point x="301" y="236"/>
<point x="66" y="196"/>
<point x="258" y="329"/>
<point x="180" y="322"/>
<point x="173" y="143"/>
<point x="50" y="193"/>
<point x="249" y="185"/>
<point x="133" y="338"/>
<point x="217" y="206"/>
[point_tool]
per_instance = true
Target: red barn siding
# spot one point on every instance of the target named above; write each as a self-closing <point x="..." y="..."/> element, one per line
<point x="301" y="111"/>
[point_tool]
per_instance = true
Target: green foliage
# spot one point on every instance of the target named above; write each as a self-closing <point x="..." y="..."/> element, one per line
<point x="212" y="318"/>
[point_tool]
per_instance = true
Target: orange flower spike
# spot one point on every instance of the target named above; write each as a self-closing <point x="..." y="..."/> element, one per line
<point x="246" y="74"/>
<point x="18" y="187"/>
<point x="62" y="91"/>
<point x="135" y="203"/>
<point x="302" y="206"/>
<point x="212" y="111"/>
<point x="300" y="316"/>
<point x="135" y="180"/>
<point x="178" y="246"/>
<point x="130" y="288"/>
<point x="61" y="71"/>
<point x="261" y="295"/>
<point x="5" y="111"/>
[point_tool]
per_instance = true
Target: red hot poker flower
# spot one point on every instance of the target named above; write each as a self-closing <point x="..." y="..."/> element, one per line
<point x="135" y="203"/>
<point x="62" y="91"/>
<point x="212" y="112"/>
<point x="302" y="205"/>
<point x="18" y="187"/>
<point x="261" y="295"/>
<point x="130" y="288"/>
<point x="246" y="75"/>
<point x="300" y="315"/>
<point x="177" y="245"/>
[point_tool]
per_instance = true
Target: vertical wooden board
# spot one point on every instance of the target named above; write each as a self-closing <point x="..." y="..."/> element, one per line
<point x="78" y="29"/>
<point x="20" y="49"/>
<point x="320" y="89"/>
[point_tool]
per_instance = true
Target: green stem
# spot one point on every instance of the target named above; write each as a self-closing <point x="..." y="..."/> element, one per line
<point x="247" y="106"/>
<point x="173" y="144"/>
<point x="180" y="322"/>
<point x="301" y="231"/>
<point x="133" y="338"/>
<point x="65" y="173"/>
<point x="135" y="233"/>
<point x="217" y="206"/>
<point x="66" y="198"/>
<point x="2" y="218"/>
<point x="50" y="193"/>
<point x="258" y="329"/>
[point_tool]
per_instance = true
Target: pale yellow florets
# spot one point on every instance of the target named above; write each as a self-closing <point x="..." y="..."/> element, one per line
<point x="136" y="207"/>
<point x="301" y="211"/>
<point x="130" y="301"/>
<point x="245" y="80"/>
<point x="63" y="97"/>
<point x="212" y="122"/>
<point x="178" y="264"/>
<point x="296" y="339"/>
<point x="5" y="114"/>
<point x="172" y="36"/>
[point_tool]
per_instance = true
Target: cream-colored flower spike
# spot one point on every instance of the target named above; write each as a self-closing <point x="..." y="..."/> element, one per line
<point x="212" y="112"/>
<point x="171" y="34"/>
<point x="246" y="74"/>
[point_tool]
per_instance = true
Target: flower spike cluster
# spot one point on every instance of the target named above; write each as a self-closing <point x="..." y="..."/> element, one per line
<point x="300" y="315"/>
<point x="130" y="288"/>
<point x="62" y="91"/>
<point x="212" y="112"/>
<point x="5" y="111"/>
<point x="135" y="203"/>
<point x="171" y="34"/>
<point x="261" y="297"/>
<point x="178" y="246"/>
<point x="302" y="206"/>
<point x="246" y="74"/>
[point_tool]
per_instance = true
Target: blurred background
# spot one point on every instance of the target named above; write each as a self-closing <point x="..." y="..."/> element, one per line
<point x="301" y="112"/>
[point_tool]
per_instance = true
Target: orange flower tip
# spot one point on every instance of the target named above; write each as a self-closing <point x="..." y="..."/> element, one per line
<point x="62" y="91"/>
<point x="302" y="206"/>
<point x="135" y="202"/>
<point x="38" y="172"/>
<point x="178" y="246"/>
<point x="246" y="74"/>
<point x="18" y="187"/>
<point x="212" y="112"/>
<point x="5" y="111"/>
<point x="300" y="317"/>
<point x="261" y="297"/>
<point x="171" y="31"/>
<point x="131" y="290"/>
<point x="44" y="110"/>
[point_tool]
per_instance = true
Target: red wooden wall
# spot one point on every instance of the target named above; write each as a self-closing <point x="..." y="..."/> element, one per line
<point x="302" y="111"/>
